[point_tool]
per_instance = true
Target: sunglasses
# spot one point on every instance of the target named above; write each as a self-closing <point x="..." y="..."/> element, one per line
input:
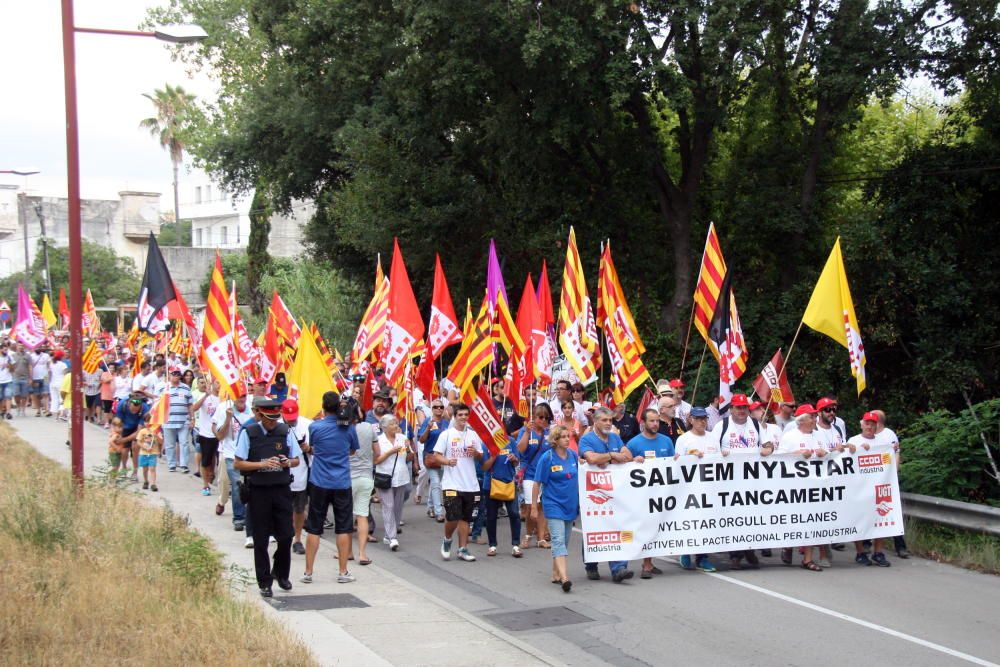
<point x="135" y="401"/>
<point x="438" y="407"/>
<point x="829" y="409"/>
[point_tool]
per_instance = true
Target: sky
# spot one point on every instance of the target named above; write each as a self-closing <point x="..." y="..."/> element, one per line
<point x="113" y="72"/>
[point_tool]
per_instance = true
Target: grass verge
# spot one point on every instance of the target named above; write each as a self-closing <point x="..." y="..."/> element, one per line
<point x="107" y="579"/>
<point x="975" y="551"/>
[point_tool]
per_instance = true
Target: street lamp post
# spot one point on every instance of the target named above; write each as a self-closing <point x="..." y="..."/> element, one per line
<point x="175" y="34"/>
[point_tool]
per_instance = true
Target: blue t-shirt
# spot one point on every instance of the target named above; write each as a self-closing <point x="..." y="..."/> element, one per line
<point x="591" y="443"/>
<point x="433" y="434"/>
<point x="659" y="447"/>
<point x="279" y="391"/>
<point x="332" y="445"/>
<point x="560" y="494"/>
<point x="131" y="421"/>
<point x="537" y="445"/>
<point x="243" y="442"/>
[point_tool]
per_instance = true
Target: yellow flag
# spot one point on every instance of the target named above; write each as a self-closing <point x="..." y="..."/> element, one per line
<point x="309" y="378"/>
<point x="831" y="312"/>
<point x="47" y="314"/>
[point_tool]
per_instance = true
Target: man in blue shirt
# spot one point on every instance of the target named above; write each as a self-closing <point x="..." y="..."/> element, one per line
<point x="180" y="418"/>
<point x="428" y="435"/>
<point x="650" y="444"/>
<point x="333" y="441"/>
<point x="265" y="454"/>
<point x="600" y="447"/>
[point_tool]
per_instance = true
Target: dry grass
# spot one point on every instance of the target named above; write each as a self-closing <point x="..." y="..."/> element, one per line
<point x="109" y="580"/>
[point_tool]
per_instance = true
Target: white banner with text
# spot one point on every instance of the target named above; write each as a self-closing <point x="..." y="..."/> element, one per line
<point x="668" y="507"/>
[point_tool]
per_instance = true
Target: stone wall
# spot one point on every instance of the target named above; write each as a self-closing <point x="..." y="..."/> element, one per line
<point x="189" y="268"/>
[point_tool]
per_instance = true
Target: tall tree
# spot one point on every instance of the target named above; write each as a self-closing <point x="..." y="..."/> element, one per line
<point x="258" y="259"/>
<point x="174" y="108"/>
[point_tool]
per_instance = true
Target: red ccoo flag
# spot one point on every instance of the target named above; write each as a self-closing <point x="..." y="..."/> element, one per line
<point x="404" y="327"/>
<point x="772" y="383"/>
<point x="442" y="328"/>
<point x="63" y="310"/>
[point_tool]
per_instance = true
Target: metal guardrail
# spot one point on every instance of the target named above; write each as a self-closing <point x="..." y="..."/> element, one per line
<point x="951" y="513"/>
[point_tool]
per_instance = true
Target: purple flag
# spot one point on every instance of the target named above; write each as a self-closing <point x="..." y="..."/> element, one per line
<point x="494" y="280"/>
<point x="30" y="327"/>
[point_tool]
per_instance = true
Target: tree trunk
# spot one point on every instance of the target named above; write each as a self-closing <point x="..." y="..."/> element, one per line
<point x="258" y="258"/>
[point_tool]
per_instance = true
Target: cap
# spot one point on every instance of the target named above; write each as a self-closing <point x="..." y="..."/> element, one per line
<point x="677" y="383"/>
<point x="805" y="409"/>
<point x="740" y="399"/>
<point x="663" y="388"/>
<point x="698" y="412"/>
<point x="825" y="402"/>
<point x="383" y="394"/>
<point x="755" y="405"/>
<point x="260" y="380"/>
<point x="176" y="372"/>
<point x="290" y="409"/>
<point x="58" y="354"/>
<point x="268" y="407"/>
<point x="869" y="417"/>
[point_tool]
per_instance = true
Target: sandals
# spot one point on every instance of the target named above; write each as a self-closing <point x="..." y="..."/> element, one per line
<point x="365" y="561"/>
<point x="544" y="544"/>
<point x="812" y="567"/>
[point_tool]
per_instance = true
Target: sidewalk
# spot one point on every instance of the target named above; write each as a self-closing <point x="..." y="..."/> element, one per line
<point x="402" y="625"/>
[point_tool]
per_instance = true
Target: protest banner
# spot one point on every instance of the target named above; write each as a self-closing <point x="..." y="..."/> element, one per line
<point x="664" y="507"/>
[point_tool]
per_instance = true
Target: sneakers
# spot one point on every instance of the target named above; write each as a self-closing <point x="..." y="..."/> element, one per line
<point x="705" y="565"/>
<point x="686" y="562"/>
<point x="516" y="552"/>
<point x="271" y="540"/>
<point x="185" y="470"/>
<point x="393" y="544"/>
<point x="298" y="548"/>
<point x="879" y="559"/>
<point x="145" y="485"/>
<point x="446" y="549"/>
<point x="306" y="578"/>
<point x="862" y="559"/>
<point x="266" y="592"/>
<point x="172" y="469"/>
<point x="238" y="526"/>
<point x="824" y="563"/>
<point x="249" y="543"/>
<point x="492" y="551"/>
<point x="385" y="540"/>
<point x="593" y="575"/>
<point x="152" y="487"/>
<point x="621" y="575"/>
<point x="197" y="474"/>
<point x="464" y="554"/>
<point x="345" y="578"/>
<point x="206" y="491"/>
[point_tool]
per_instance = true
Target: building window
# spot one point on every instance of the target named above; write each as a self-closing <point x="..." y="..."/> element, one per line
<point x="208" y="193"/>
<point x="225" y="237"/>
<point x="197" y="237"/>
<point x="197" y="195"/>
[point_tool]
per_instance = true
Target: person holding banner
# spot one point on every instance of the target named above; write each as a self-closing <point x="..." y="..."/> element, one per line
<point x="698" y="442"/>
<point x="650" y="444"/>
<point x="801" y="441"/>
<point x="866" y="440"/>
<point x="600" y="447"/>
<point x="557" y="488"/>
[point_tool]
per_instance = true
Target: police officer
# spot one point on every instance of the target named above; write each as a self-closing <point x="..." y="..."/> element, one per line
<point x="265" y="453"/>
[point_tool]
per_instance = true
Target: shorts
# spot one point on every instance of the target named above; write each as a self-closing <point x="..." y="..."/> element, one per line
<point x="299" y="501"/>
<point x="93" y="400"/>
<point x="114" y="459"/>
<point x="39" y="387"/>
<point x="528" y="489"/>
<point x="362" y="488"/>
<point x="320" y="500"/>
<point x="458" y="505"/>
<point x="147" y="460"/>
<point x="21" y="387"/>
<point x="106" y="405"/>
<point x="209" y="450"/>
<point x="6" y="391"/>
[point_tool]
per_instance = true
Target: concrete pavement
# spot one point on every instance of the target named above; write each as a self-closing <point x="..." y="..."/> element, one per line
<point x="400" y="624"/>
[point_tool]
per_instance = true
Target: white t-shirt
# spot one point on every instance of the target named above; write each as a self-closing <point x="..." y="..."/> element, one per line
<point x="156" y="385"/>
<point x="683" y="411"/>
<point x="706" y="444"/>
<point x="5" y="373"/>
<point x="887" y="437"/>
<point x="139" y="383"/>
<point x="828" y="437"/>
<point x="205" y="414"/>
<point x="738" y="437"/>
<point x="451" y="444"/>
<point x="397" y="467"/>
<point x="57" y="371"/>
<point x="770" y="433"/>
<point x="795" y="442"/>
<point x="40" y="366"/>
<point x="861" y="442"/>
<point x="300" y="473"/>
<point x="123" y="386"/>
<point x="227" y="445"/>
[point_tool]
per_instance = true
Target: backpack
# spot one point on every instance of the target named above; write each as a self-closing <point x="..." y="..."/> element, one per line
<point x="725" y="428"/>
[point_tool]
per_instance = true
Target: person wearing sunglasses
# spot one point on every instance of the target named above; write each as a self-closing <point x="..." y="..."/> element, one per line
<point x="132" y="413"/>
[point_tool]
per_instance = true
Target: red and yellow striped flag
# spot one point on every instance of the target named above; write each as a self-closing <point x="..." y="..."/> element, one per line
<point x="160" y="411"/>
<point x="372" y="328"/>
<point x="218" y="350"/>
<point x="706" y="294"/>
<point x="476" y="352"/>
<point x="91" y="358"/>
<point x="577" y="330"/>
<point x="629" y="371"/>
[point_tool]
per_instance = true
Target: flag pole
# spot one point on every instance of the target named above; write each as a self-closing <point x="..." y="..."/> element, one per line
<point x="697" y="378"/>
<point x="687" y="339"/>
<point x="784" y="365"/>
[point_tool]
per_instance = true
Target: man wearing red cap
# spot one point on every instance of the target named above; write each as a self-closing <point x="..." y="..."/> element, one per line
<point x="683" y="408"/>
<point x="865" y="441"/>
<point x="828" y="433"/>
<point x="801" y="441"/>
<point x="258" y="388"/>
<point x="886" y="436"/>
<point x="299" y="427"/>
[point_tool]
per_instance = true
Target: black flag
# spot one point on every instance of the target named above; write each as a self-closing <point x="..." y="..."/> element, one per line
<point x="156" y="292"/>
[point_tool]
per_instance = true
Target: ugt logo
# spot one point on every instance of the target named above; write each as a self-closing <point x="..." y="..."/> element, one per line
<point x="600" y="484"/>
<point x="883" y="499"/>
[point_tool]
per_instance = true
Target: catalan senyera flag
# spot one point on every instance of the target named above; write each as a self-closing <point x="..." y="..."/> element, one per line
<point x="577" y="330"/>
<point x="371" y="331"/>
<point x="47" y="314"/>
<point x="160" y="411"/>
<point x="442" y="327"/>
<point x="308" y="377"/>
<point x="287" y="328"/>
<point x="505" y="331"/>
<point x="726" y="334"/>
<point x="831" y="312"/>
<point x="91" y="358"/>
<point x="623" y="351"/>
<point x="89" y="320"/>
<point x="323" y="347"/>
<point x="476" y="352"/>
<point x="706" y="295"/>
<point x="218" y="346"/>
<point x="404" y="326"/>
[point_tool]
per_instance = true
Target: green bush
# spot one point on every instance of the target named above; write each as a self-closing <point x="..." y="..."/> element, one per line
<point x="943" y="455"/>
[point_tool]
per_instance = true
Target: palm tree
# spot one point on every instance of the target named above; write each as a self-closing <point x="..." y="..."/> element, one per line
<point x="173" y="106"/>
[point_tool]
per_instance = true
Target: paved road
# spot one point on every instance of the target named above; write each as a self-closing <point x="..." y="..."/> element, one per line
<point x="915" y="613"/>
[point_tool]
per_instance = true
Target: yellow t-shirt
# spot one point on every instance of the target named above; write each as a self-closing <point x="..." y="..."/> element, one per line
<point x="113" y="446"/>
<point x="148" y="442"/>
<point x="66" y="388"/>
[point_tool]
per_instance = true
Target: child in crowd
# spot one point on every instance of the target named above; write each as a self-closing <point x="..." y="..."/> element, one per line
<point x="150" y="441"/>
<point x="115" y="447"/>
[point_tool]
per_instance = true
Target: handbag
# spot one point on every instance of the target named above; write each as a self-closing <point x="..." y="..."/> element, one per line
<point x="430" y="461"/>
<point x="502" y="490"/>
<point x="383" y="480"/>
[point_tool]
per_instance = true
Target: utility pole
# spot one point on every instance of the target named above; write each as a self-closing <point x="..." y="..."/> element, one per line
<point x="45" y="249"/>
<point x="22" y="214"/>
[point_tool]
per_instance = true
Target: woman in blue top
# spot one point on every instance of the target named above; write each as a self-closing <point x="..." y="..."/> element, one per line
<point x="532" y="444"/>
<point x="556" y="475"/>
<point x="501" y="468"/>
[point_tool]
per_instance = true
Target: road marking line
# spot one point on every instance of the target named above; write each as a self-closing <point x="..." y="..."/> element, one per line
<point x="844" y="617"/>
